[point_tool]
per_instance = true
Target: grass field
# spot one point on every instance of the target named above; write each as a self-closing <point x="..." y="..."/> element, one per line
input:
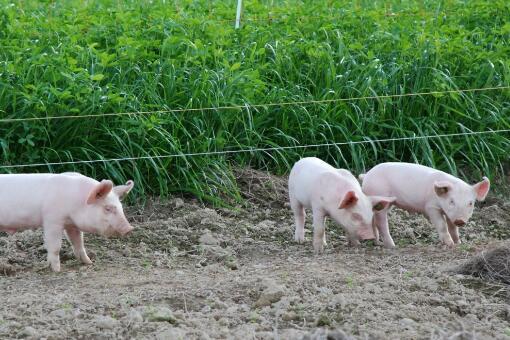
<point x="83" y="58"/>
<point x="101" y="79"/>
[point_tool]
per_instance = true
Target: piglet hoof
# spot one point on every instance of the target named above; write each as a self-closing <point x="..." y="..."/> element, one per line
<point x="318" y="252"/>
<point x="445" y="246"/>
<point x="318" y="248"/>
<point x="354" y="243"/>
<point x="85" y="260"/>
<point x="55" y="267"/>
<point x="448" y="243"/>
<point x="299" y="238"/>
<point x="389" y="245"/>
<point x="54" y="261"/>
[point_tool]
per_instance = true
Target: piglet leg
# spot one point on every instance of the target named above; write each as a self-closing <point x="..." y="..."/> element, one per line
<point x="377" y="240"/>
<point x="75" y="236"/>
<point x="53" y="243"/>
<point x="299" y="217"/>
<point x="381" y="222"/>
<point x="319" y="229"/>
<point x="454" y="232"/>
<point x="437" y="219"/>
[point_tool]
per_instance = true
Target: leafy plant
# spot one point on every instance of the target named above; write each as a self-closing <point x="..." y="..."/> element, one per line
<point x="98" y="57"/>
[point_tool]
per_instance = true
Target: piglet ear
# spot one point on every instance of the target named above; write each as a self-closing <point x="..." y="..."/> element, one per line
<point x="482" y="189"/>
<point x="123" y="190"/>
<point x="349" y="200"/>
<point x="442" y="188"/>
<point x="380" y="203"/>
<point x="100" y="191"/>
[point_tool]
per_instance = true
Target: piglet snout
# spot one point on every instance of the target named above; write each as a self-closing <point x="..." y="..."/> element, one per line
<point x="126" y="230"/>
<point x="459" y="223"/>
<point x="118" y="231"/>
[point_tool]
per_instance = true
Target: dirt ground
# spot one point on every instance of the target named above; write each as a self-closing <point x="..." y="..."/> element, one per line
<point x="192" y="272"/>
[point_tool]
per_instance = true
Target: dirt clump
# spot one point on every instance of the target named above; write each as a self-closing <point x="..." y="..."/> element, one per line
<point x="7" y="268"/>
<point x="492" y="265"/>
<point x="262" y="188"/>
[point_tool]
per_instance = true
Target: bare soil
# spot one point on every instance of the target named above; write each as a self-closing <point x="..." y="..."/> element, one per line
<point x="190" y="271"/>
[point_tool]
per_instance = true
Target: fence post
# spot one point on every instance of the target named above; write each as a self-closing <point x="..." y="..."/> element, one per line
<point x="238" y="14"/>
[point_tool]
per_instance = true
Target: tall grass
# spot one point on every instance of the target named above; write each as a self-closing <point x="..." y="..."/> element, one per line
<point x="74" y="57"/>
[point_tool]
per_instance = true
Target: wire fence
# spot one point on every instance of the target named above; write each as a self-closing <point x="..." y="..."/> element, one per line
<point x="255" y="106"/>
<point x="335" y="13"/>
<point x="281" y="17"/>
<point x="270" y="17"/>
<point x="268" y="149"/>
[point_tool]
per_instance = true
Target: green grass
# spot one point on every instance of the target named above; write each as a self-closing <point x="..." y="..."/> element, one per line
<point x="93" y="57"/>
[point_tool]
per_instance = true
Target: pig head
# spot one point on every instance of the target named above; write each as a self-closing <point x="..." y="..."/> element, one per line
<point x="101" y="211"/>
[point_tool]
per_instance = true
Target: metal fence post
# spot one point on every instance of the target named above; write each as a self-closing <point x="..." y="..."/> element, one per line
<point x="238" y="14"/>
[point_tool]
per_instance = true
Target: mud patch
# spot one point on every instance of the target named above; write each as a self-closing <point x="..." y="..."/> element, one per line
<point x="191" y="271"/>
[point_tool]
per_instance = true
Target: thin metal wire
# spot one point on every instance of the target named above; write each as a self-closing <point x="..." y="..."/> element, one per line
<point x="279" y="16"/>
<point x="276" y="148"/>
<point x="233" y="107"/>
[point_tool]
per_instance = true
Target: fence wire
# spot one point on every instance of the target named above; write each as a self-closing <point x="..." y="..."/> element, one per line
<point x="365" y="140"/>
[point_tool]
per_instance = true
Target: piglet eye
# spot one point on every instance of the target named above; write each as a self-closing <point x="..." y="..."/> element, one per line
<point x="109" y="209"/>
<point x="452" y="202"/>
<point x="470" y="204"/>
